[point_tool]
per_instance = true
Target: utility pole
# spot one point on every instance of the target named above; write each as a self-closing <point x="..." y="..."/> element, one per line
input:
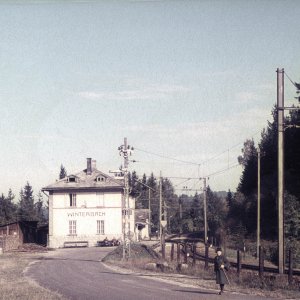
<point x="126" y="151"/>
<point x="205" y="210"/>
<point x="162" y="218"/>
<point x="180" y="215"/>
<point x="149" y="210"/>
<point x="280" y="114"/>
<point x="160" y="206"/>
<point x="258" y="201"/>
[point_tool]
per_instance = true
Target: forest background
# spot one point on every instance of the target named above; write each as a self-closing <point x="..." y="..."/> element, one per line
<point x="231" y="215"/>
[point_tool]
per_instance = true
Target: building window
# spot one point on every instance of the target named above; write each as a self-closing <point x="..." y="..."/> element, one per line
<point x="72" y="179"/>
<point x="72" y="227"/>
<point x="100" y="178"/>
<point x="100" y="227"/>
<point x="72" y="199"/>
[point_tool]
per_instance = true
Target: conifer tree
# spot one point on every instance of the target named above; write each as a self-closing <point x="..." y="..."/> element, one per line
<point x="26" y="209"/>
<point x="63" y="172"/>
<point x="7" y="208"/>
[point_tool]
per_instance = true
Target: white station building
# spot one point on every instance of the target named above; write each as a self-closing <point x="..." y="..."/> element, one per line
<point x="86" y="208"/>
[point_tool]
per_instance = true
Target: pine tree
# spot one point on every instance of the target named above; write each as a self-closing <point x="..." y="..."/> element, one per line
<point x="7" y="208"/>
<point x="26" y="207"/>
<point x="196" y="213"/>
<point x="248" y="180"/>
<point x="248" y="160"/>
<point x="229" y="198"/>
<point x="216" y="212"/>
<point x="152" y="182"/>
<point x="63" y="172"/>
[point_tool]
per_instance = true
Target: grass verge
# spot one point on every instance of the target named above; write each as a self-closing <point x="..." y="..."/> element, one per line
<point x="15" y="285"/>
<point x="249" y="282"/>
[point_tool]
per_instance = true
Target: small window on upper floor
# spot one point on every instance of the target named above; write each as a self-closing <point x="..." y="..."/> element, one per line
<point x="100" y="179"/>
<point x="72" y="179"/>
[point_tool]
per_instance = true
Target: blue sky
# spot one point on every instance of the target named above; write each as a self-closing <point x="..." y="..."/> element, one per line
<point x="190" y="80"/>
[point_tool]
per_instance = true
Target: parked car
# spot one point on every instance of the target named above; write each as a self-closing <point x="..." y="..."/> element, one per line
<point x="108" y="243"/>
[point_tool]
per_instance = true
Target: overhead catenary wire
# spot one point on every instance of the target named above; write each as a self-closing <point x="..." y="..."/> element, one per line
<point x="211" y="174"/>
<point x="199" y="178"/>
<point x="168" y="157"/>
<point x="199" y="163"/>
<point x="293" y="82"/>
<point x="223" y="171"/>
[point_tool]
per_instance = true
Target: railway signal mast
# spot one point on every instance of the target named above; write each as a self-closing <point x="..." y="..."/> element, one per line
<point x="125" y="150"/>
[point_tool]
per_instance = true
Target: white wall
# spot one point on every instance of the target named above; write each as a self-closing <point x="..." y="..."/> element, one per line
<point x="88" y="199"/>
<point x="90" y="207"/>
<point x="86" y="220"/>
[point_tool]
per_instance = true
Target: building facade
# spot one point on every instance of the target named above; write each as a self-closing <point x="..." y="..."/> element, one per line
<point x="86" y="207"/>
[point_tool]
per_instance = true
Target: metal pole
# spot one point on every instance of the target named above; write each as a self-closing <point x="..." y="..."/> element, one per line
<point x="261" y="262"/>
<point x="205" y="210"/>
<point x="239" y="263"/>
<point x="280" y="110"/>
<point x="125" y="151"/>
<point x="194" y="254"/>
<point x="178" y="252"/>
<point x="123" y="226"/>
<point x="160" y="208"/>
<point x="149" y="208"/>
<point x="163" y="244"/>
<point x="180" y="216"/>
<point x="185" y="253"/>
<point x="258" y="201"/>
<point x="127" y="214"/>
<point x="206" y="257"/>
<point x="172" y="252"/>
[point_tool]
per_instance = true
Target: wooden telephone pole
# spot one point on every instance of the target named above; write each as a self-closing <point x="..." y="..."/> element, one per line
<point x="205" y="210"/>
<point x="258" y="201"/>
<point x="280" y="113"/>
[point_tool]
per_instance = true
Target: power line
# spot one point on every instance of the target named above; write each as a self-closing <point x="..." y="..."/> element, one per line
<point x="182" y="182"/>
<point x="225" y="151"/>
<point x="168" y="157"/>
<point x="290" y="80"/>
<point x="223" y="171"/>
<point x="194" y="163"/>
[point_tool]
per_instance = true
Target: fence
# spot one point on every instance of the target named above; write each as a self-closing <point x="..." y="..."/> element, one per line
<point x="190" y="250"/>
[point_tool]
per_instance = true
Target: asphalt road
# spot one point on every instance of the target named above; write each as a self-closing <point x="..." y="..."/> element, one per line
<point x="78" y="274"/>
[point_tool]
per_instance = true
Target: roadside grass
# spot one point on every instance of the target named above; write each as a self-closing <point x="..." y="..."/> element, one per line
<point x="15" y="285"/>
<point x="272" y="285"/>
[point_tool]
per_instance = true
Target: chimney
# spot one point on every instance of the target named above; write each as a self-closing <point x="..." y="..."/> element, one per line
<point x="89" y="166"/>
<point x="94" y="162"/>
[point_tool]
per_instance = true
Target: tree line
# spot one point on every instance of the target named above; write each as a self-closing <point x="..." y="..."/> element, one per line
<point x="244" y="202"/>
<point x="233" y="215"/>
<point x="27" y="208"/>
<point x="183" y="213"/>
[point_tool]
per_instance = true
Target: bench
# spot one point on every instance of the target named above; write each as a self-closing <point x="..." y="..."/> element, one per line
<point x="75" y="244"/>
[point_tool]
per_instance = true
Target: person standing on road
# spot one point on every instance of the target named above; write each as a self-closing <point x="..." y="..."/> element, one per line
<point x="220" y="265"/>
